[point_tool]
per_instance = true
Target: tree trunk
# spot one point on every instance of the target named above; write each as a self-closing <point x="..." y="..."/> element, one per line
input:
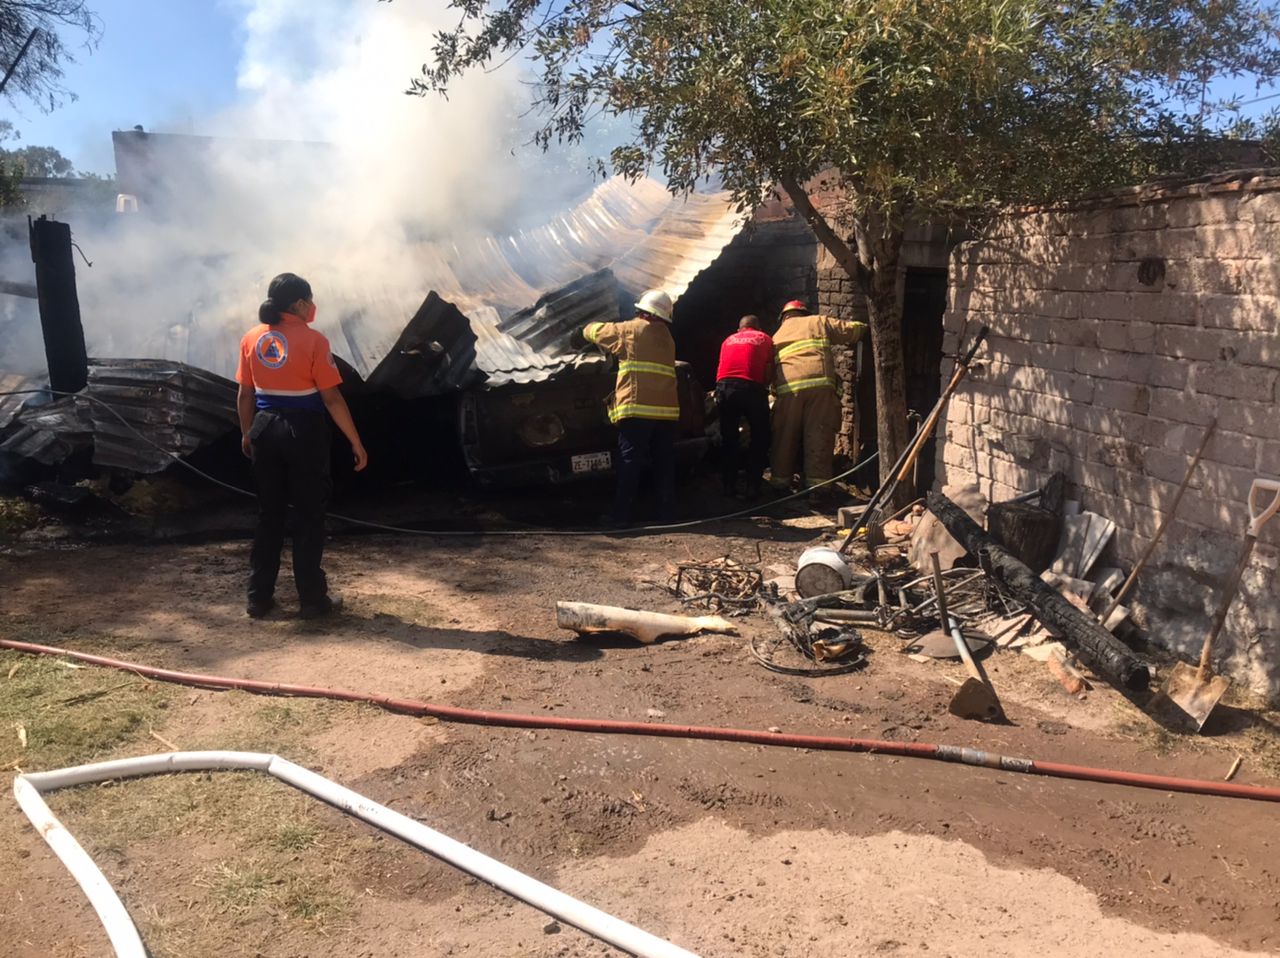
<point x="874" y="265"/>
<point x="879" y="249"/>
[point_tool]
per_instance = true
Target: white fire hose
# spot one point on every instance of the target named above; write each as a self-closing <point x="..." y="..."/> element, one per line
<point x="123" y="933"/>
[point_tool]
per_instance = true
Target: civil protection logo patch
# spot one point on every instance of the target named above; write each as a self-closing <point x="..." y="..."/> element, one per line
<point x="272" y="349"/>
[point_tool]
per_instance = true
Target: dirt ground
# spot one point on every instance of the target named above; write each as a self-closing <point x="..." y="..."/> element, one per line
<point x="725" y="849"/>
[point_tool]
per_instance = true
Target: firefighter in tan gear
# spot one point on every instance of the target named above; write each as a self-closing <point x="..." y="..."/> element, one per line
<point x="646" y="402"/>
<point x="806" y="408"/>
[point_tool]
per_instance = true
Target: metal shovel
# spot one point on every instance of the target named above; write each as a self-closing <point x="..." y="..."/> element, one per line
<point x="1195" y="690"/>
<point x="975" y="699"/>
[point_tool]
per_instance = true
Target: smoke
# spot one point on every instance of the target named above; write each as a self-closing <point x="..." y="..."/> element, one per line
<point x="325" y="168"/>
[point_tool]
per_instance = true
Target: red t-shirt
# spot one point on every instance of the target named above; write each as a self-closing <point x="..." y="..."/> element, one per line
<point x="746" y="355"/>
<point x="287" y="365"/>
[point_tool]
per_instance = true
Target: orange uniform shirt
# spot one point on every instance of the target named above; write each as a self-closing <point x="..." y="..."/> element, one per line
<point x="287" y="365"/>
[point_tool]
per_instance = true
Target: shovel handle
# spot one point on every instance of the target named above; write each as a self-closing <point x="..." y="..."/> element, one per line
<point x="1259" y="513"/>
<point x="1258" y="516"/>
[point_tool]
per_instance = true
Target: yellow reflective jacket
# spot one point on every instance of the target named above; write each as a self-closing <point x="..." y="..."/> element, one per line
<point x="646" y="386"/>
<point x="802" y="357"/>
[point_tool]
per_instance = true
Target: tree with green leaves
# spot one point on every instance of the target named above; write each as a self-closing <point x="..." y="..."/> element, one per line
<point x="37" y="37"/>
<point x="916" y="109"/>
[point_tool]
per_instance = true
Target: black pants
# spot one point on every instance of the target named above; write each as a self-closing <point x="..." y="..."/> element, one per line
<point x="740" y="399"/>
<point x="645" y="443"/>
<point x="291" y="466"/>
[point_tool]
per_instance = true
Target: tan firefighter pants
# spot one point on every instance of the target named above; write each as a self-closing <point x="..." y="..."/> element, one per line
<point x="809" y="419"/>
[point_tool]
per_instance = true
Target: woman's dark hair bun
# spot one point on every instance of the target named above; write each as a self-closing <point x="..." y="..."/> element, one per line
<point x="283" y="291"/>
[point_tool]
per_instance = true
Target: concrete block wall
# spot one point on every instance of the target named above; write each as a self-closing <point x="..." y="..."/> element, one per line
<point x="1118" y="331"/>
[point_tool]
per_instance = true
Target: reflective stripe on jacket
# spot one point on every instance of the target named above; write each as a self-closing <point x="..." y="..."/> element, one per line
<point x="646" y="386"/>
<point x="803" y="359"/>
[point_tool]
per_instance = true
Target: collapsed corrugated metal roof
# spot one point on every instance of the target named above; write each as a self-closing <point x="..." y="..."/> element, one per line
<point x="533" y="344"/>
<point x="412" y="368"/>
<point x="646" y="236"/>
<point x="176" y="407"/>
<point x="49" y="433"/>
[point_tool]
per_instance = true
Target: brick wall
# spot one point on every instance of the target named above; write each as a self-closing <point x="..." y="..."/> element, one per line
<point x="1117" y="332"/>
<point x="839" y="296"/>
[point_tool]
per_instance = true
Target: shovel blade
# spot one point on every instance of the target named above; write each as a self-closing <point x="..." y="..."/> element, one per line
<point x="974" y="700"/>
<point x="1195" y="695"/>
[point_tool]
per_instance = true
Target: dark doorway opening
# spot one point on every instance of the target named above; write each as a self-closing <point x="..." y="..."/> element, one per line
<point x="924" y="300"/>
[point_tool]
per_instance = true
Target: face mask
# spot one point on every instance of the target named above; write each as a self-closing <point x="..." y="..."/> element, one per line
<point x="309" y="313"/>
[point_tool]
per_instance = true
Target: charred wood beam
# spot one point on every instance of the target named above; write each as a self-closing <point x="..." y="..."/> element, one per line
<point x="64" y="347"/>
<point x="1106" y="654"/>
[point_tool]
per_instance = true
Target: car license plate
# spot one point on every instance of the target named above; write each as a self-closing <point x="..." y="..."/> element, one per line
<point x="591" y="462"/>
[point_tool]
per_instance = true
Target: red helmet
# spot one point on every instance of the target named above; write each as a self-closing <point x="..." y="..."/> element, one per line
<point x="795" y="306"/>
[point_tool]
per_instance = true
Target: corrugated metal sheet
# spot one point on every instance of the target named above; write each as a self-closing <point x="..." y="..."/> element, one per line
<point x="177" y="407"/>
<point x="646" y="236"/>
<point x="49" y="433"/>
<point x="534" y="344"/>
<point x="411" y="368"/>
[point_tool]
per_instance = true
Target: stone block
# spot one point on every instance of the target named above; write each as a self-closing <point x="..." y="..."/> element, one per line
<point x="1259" y="207"/>
<point x="1232" y="449"/>
<point x="1228" y="241"/>
<point x="1268" y="462"/>
<point x="1095" y="477"/>
<point x="1115" y="451"/>
<point x="1144" y="489"/>
<point x="1199" y="211"/>
<point x="1126" y="367"/>
<point x="1168" y="373"/>
<point x="1131" y="337"/>
<point x="1251" y="349"/>
<point x="1207" y="276"/>
<point x="1253" y="313"/>
<point x="1077" y="333"/>
<point x="1183" y="406"/>
<point x="1036" y="406"/>
<point x="1167" y="308"/>
<point x="1099" y="421"/>
<point x="1181" y="342"/>
<point x="1228" y="483"/>
<point x="1122" y="396"/>
<point x="1232" y="381"/>
<point x="1107" y="306"/>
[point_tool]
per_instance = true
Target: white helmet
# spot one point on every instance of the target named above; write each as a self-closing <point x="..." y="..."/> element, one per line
<point x="657" y="303"/>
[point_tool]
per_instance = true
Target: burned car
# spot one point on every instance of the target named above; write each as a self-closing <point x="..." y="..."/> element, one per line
<point x="558" y="430"/>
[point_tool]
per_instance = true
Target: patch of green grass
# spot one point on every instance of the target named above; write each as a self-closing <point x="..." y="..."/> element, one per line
<point x="70" y="715"/>
<point x="239" y="886"/>
<point x="294" y="836"/>
<point x="257" y="887"/>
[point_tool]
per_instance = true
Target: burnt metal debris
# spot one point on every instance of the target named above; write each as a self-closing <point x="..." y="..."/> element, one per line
<point x="499" y="312"/>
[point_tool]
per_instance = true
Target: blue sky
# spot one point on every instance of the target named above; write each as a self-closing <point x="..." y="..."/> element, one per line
<point x="171" y="64"/>
<point x="161" y="63"/>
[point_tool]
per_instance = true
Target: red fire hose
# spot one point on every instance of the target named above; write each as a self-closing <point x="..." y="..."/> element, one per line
<point x="943" y="753"/>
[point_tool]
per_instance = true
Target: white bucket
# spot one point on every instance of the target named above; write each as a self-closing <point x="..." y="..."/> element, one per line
<point x="822" y="570"/>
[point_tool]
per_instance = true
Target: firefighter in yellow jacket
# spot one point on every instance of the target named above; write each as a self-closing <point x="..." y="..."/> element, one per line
<point x="806" y="408"/>
<point x="646" y="402"/>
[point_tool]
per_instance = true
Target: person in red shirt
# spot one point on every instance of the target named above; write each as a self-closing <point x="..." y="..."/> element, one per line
<point x="288" y="390"/>
<point x="742" y="392"/>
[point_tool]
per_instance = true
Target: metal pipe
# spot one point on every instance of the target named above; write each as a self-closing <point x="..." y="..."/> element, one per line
<point x="451" y="713"/>
<point x="124" y="935"/>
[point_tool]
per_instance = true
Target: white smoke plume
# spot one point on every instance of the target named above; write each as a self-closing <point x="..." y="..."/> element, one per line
<point x="324" y="168"/>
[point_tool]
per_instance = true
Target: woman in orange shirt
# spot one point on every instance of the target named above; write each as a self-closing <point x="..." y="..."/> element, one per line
<point x="288" y="390"/>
